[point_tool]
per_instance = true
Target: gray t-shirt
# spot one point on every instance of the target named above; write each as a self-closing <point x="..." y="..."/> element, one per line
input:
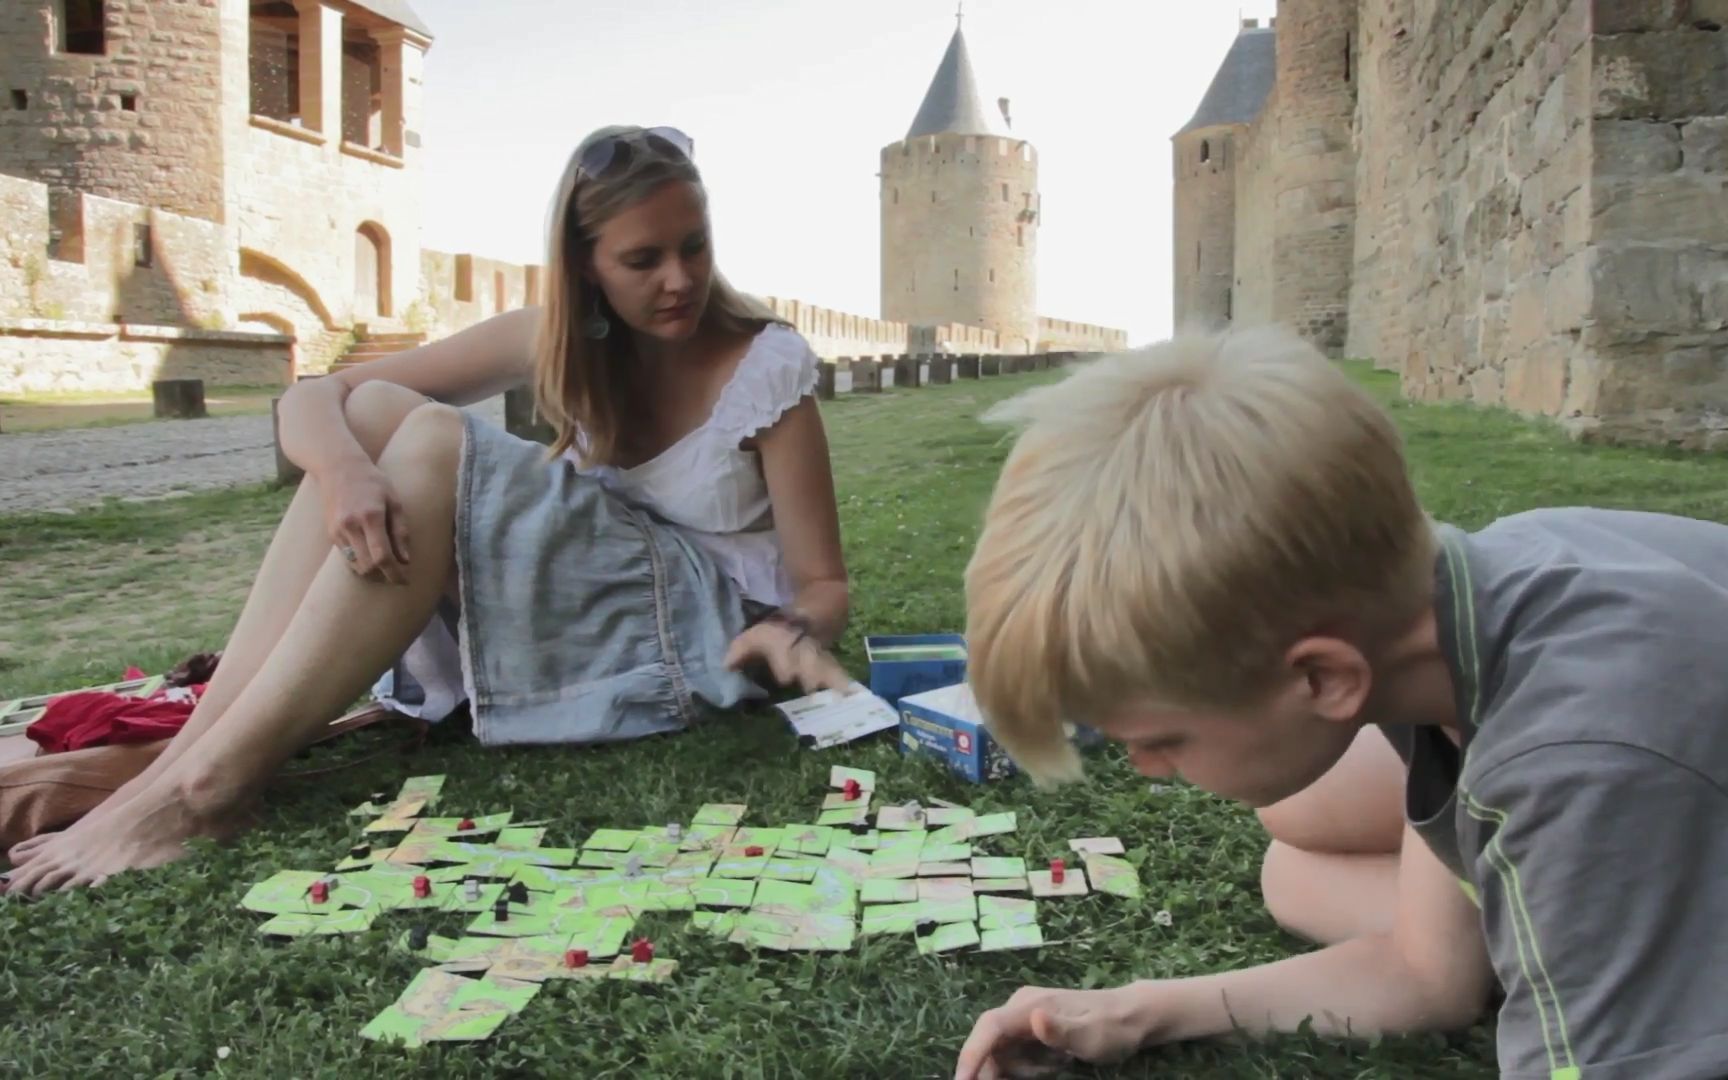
<point x="1587" y="809"/>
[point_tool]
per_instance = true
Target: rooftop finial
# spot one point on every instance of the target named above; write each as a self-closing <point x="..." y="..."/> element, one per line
<point x="959" y="13"/>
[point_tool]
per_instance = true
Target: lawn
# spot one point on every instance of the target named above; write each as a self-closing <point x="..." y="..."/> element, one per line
<point x="153" y="974"/>
<point x="54" y="412"/>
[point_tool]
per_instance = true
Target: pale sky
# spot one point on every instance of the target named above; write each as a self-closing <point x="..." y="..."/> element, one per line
<point x="790" y="103"/>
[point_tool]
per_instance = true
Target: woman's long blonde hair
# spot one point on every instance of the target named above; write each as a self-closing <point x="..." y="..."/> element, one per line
<point x="581" y="384"/>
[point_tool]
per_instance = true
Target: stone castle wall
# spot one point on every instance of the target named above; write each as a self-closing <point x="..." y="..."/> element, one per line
<point x="1473" y="258"/>
<point x="1063" y="335"/>
<point x="1510" y="203"/>
<point x="1205" y="226"/>
<point x="1295" y="183"/>
<point x="99" y="295"/>
<point x="1652" y="365"/>
<point x="140" y="123"/>
<point x="960" y="220"/>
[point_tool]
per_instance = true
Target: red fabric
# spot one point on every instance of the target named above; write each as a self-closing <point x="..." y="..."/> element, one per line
<point x="89" y="718"/>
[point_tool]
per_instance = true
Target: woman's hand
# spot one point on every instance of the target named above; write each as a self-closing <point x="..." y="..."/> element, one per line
<point x="1039" y="1031"/>
<point x="791" y="655"/>
<point x="364" y="520"/>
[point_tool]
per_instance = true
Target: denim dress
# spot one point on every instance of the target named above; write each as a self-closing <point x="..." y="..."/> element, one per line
<point x="597" y="605"/>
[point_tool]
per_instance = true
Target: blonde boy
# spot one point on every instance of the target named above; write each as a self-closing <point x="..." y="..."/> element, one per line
<point x="1210" y="550"/>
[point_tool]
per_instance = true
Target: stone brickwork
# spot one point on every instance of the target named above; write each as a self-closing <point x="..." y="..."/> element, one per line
<point x="1205" y="226"/>
<point x="141" y="121"/>
<point x="42" y="356"/>
<point x="87" y="259"/>
<point x="960" y="234"/>
<point x="1295" y="181"/>
<point x="1535" y="209"/>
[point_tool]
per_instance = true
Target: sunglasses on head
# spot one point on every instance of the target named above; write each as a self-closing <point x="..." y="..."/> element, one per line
<point x="616" y="149"/>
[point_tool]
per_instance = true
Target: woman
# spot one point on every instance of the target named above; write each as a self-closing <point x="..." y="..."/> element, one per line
<point x="685" y="531"/>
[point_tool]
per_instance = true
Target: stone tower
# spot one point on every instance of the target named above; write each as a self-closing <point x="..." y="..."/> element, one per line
<point x="1204" y="156"/>
<point x="91" y="107"/>
<point x="960" y="214"/>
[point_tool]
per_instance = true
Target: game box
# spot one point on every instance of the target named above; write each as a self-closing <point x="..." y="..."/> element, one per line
<point x="946" y="722"/>
<point x="902" y="664"/>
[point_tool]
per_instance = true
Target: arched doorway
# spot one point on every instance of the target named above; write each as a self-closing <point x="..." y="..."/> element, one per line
<point x="371" y="271"/>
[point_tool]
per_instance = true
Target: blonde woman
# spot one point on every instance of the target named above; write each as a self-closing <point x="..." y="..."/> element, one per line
<point x="682" y="535"/>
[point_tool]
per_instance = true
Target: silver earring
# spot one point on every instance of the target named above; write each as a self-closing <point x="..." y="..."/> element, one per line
<point x="596" y="326"/>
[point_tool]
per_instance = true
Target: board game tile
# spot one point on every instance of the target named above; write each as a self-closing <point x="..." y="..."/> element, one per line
<point x="1098" y="845"/>
<point x="1011" y="937"/>
<point x="1073" y="884"/>
<point x="948" y="937"/>
<point x="720" y="814"/>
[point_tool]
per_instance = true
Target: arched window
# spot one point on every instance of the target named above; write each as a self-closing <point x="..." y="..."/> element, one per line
<point x="1205" y="150"/>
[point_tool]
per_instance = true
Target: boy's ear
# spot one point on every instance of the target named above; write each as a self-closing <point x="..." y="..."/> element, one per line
<point x="1336" y="676"/>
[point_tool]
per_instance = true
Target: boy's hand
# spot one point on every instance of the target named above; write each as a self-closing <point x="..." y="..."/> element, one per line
<point x="1040" y="1030"/>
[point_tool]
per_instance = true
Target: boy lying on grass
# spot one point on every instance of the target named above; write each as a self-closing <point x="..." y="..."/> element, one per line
<point x="1210" y="550"/>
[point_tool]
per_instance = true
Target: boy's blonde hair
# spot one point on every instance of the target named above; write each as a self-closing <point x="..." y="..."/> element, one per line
<point x="1171" y="520"/>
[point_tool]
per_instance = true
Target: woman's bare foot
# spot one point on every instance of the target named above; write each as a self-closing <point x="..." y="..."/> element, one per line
<point x="152" y="832"/>
<point x="26" y="850"/>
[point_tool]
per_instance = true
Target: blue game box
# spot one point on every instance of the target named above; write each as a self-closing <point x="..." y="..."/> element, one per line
<point x="902" y="664"/>
<point x="946" y="722"/>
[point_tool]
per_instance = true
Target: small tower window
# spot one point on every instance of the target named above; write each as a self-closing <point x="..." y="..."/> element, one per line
<point x="1205" y="150"/>
<point x="1347" y="60"/>
<point x="992" y="277"/>
<point x="1004" y="192"/>
<point x="956" y="279"/>
<point x="82" y="29"/>
<point x="896" y="196"/>
<point x="20" y="99"/>
<point x="142" y="251"/>
<point x="932" y="196"/>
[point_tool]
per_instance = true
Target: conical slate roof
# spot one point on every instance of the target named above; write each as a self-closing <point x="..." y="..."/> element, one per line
<point x="1244" y="79"/>
<point x="952" y="105"/>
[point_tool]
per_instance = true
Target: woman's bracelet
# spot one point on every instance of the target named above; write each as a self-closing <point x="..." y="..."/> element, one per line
<point x="794" y="621"/>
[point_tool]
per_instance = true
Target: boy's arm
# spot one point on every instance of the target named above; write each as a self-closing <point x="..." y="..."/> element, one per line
<point x="1604" y="883"/>
<point x="1430" y="973"/>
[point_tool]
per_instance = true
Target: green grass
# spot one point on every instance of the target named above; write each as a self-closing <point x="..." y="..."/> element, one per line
<point x="87" y="409"/>
<point x="153" y="973"/>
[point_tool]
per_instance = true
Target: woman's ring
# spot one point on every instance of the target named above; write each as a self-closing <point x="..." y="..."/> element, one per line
<point x="349" y="553"/>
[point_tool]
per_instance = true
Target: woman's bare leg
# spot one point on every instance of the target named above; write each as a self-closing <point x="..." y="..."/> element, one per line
<point x="1331" y="871"/>
<point x="300" y="547"/>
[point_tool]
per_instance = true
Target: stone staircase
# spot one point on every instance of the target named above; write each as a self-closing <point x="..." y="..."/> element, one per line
<point x="375" y="345"/>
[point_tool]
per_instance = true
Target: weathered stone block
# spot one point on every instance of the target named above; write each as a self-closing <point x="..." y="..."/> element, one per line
<point x="1692" y="366"/>
<point x="990" y="365"/>
<point x="1704" y="143"/>
<point x="1634" y="147"/>
<point x="178" y="399"/>
<point x="968" y="366"/>
<point x="287" y="473"/>
<point x="941" y="370"/>
<point x="1636" y="16"/>
<point x="1635" y="287"/>
<point x="1583" y="385"/>
<point x="1681" y="205"/>
<point x="825" y="382"/>
<point x="866" y="377"/>
<point x="1661" y="75"/>
<point x="906" y="372"/>
<point x="1536" y="379"/>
